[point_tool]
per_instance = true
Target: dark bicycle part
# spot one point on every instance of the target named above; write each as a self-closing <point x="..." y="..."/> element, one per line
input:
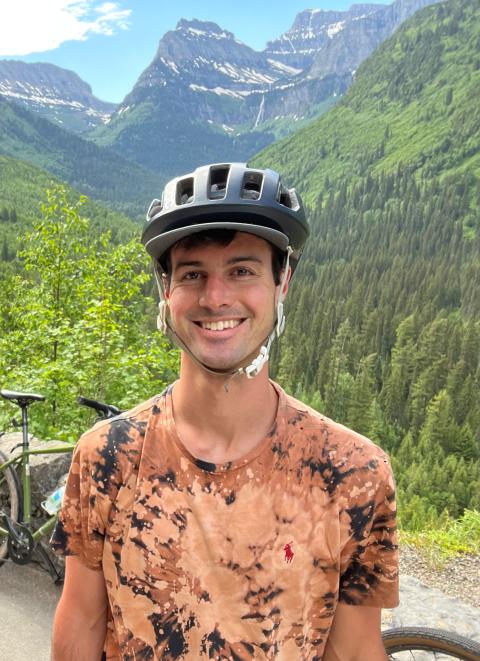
<point x="105" y="410"/>
<point x="56" y="575"/>
<point x="446" y="644"/>
<point x="20" y="543"/>
<point x="10" y="501"/>
<point x="21" y="398"/>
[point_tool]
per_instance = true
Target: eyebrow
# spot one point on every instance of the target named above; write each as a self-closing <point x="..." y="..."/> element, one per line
<point x="232" y="260"/>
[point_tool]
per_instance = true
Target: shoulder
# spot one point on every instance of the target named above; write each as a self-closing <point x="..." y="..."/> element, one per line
<point x="116" y="444"/>
<point x="340" y="455"/>
<point x="123" y="428"/>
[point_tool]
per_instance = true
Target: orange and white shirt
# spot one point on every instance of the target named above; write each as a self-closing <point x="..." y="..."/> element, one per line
<point x="241" y="561"/>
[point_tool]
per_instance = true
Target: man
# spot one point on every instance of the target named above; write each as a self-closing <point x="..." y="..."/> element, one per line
<point x="224" y="519"/>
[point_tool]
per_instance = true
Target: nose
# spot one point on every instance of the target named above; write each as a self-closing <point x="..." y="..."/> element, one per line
<point x="215" y="293"/>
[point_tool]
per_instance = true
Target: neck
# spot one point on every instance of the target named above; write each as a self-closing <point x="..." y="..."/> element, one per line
<point x="221" y="418"/>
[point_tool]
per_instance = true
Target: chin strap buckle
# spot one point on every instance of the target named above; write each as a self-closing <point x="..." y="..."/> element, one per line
<point x="256" y="365"/>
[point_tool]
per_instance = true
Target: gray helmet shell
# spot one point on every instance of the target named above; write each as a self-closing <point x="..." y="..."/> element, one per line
<point x="227" y="196"/>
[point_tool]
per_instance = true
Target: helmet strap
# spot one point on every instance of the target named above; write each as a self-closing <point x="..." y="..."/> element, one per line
<point x="255" y="367"/>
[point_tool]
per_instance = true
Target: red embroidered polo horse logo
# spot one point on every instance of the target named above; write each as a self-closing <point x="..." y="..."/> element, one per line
<point x="288" y="552"/>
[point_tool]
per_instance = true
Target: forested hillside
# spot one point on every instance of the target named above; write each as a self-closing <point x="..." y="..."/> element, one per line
<point x="92" y="170"/>
<point x="383" y="328"/>
<point x="22" y="190"/>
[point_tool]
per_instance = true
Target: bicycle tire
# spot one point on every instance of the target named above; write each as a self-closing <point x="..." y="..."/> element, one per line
<point x="447" y="643"/>
<point x="10" y="500"/>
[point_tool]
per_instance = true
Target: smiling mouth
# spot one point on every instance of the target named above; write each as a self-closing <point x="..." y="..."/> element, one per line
<point x="219" y="325"/>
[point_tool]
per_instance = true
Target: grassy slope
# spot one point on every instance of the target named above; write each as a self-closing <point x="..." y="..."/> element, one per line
<point x="398" y="110"/>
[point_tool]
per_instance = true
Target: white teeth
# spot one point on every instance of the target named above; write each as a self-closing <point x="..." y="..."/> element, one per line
<point x="220" y="325"/>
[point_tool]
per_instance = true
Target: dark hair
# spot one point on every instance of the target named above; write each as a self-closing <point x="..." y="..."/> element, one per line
<point x="218" y="237"/>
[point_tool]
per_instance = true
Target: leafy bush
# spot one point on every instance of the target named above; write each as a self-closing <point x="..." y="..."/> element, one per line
<point x="74" y="321"/>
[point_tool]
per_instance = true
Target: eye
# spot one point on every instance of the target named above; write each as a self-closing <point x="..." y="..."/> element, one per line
<point x="242" y="271"/>
<point x="191" y="275"/>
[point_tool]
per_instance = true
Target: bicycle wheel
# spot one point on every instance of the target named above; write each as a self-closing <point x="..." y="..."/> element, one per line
<point x="422" y="644"/>
<point x="10" y="500"/>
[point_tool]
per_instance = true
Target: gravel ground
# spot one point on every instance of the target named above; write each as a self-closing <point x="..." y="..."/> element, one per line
<point x="458" y="578"/>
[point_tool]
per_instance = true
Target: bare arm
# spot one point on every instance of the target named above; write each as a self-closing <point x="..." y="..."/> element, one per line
<point x="79" y="628"/>
<point x="355" y="635"/>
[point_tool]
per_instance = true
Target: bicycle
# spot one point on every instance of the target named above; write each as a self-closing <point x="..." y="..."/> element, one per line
<point x="401" y="643"/>
<point x="18" y="539"/>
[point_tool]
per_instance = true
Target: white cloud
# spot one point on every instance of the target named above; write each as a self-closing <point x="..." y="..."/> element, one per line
<point x="35" y="26"/>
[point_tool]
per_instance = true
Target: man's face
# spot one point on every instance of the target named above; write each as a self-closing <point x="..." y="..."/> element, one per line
<point x="222" y="299"/>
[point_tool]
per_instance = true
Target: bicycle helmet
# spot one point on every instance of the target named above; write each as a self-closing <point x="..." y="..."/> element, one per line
<point x="226" y="196"/>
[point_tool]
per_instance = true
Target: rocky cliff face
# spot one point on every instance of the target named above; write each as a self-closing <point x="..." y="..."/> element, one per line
<point x="212" y="74"/>
<point x="314" y="30"/>
<point x="58" y="94"/>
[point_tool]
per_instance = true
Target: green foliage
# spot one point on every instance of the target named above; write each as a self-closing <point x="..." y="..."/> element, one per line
<point x="173" y="142"/>
<point x="448" y="539"/>
<point x="74" y="321"/>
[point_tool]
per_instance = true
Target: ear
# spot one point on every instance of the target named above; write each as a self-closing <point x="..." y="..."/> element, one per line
<point x="165" y="286"/>
<point x="284" y="291"/>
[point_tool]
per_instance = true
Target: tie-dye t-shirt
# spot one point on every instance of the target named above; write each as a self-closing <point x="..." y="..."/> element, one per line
<point x="245" y="560"/>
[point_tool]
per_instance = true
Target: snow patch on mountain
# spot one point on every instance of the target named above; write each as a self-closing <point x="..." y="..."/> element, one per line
<point x="242" y="74"/>
<point x="170" y="64"/>
<point x="220" y="91"/>
<point x="209" y="35"/>
<point x="335" y="28"/>
<point x="40" y="97"/>
<point x="284" y="68"/>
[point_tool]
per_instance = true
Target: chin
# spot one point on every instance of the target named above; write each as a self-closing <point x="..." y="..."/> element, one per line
<point x="223" y="363"/>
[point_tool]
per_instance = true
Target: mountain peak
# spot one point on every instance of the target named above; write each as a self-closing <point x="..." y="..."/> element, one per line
<point x="203" y="29"/>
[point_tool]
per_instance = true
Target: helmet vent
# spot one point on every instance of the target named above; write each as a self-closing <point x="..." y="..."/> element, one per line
<point x="285" y="197"/>
<point x="185" y="191"/>
<point x="217" y="188"/>
<point x="155" y="207"/>
<point x="252" y="185"/>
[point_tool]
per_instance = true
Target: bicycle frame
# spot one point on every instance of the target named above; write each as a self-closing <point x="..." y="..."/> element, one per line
<point x="23" y="459"/>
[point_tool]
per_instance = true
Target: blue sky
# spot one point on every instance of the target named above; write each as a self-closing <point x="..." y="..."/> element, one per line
<point x="109" y="44"/>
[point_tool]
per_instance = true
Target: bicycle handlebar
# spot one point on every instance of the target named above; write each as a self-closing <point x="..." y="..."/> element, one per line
<point x="105" y="410"/>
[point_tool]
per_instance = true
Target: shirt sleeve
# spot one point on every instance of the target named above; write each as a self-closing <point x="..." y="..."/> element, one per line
<point x="369" y="558"/>
<point x="80" y="529"/>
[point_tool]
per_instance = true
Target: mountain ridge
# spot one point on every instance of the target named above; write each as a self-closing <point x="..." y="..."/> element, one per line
<point x="57" y="94"/>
